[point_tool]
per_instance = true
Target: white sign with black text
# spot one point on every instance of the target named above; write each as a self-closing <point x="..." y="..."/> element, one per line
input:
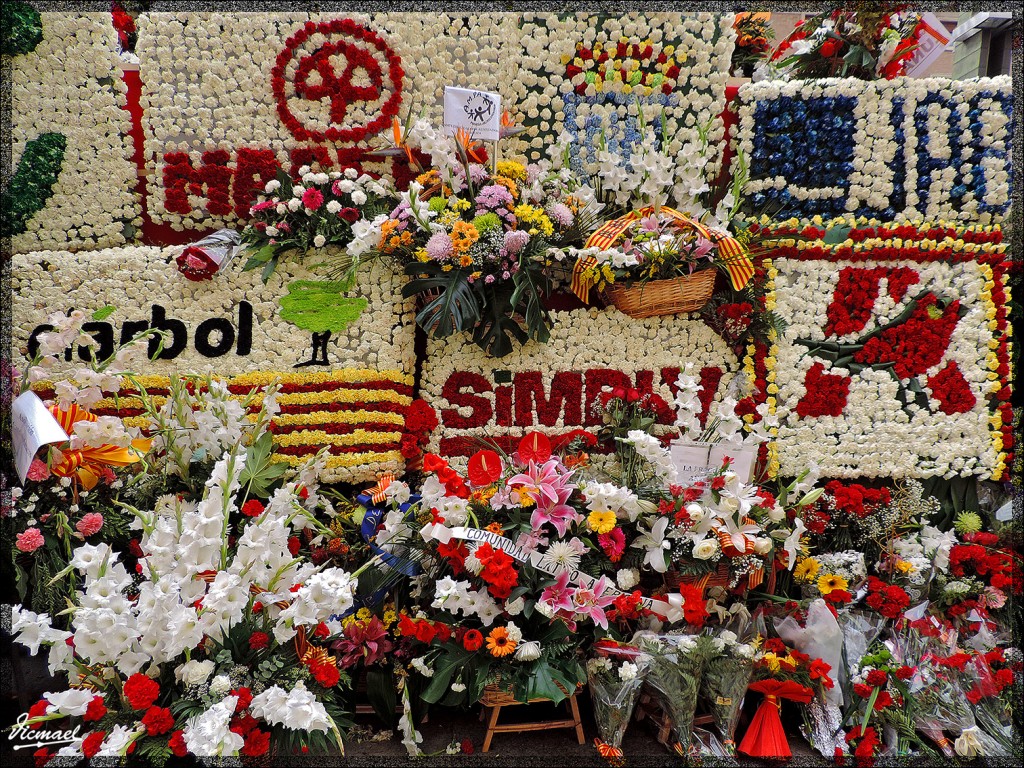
<point x="477" y="112"/>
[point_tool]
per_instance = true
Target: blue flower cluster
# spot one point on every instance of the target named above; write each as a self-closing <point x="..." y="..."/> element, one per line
<point x="809" y="142"/>
<point x="620" y="134"/>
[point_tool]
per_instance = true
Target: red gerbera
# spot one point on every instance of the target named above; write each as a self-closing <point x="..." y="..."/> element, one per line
<point x="473" y="640"/>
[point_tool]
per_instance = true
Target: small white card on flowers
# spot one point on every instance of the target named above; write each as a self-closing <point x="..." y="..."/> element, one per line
<point x="932" y="39"/>
<point x="695" y="461"/>
<point x="477" y="112"/>
<point x="32" y="426"/>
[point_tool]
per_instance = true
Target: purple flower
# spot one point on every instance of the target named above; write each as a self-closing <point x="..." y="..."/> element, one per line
<point x="561" y="214"/>
<point x="492" y="197"/>
<point x="439" y="246"/>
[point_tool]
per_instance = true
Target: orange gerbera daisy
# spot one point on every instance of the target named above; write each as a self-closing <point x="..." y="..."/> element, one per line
<point x="495" y="528"/>
<point x="499" y="643"/>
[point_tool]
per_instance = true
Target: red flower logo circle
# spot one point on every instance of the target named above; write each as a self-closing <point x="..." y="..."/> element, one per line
<point x="356" y="66"/>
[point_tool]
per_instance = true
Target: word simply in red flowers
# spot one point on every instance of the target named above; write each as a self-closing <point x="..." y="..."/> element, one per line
<point x="907" y="347"/>
<point x="521" y="400"/>
<point x="326" y="94"/>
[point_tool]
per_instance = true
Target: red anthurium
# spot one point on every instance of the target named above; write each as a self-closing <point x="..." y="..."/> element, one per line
<point x="484" y="468"/>
<point x="534" y="447"/>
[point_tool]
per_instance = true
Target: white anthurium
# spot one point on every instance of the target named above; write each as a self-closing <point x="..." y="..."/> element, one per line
<point x="655" y="544"/>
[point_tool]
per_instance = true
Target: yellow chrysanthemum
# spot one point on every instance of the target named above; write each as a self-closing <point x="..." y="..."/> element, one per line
<point x="512" y="170"/>
<point x="601" y="521"/>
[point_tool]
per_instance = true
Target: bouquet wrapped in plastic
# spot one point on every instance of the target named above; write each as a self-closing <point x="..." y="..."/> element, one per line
<point x="820" y="636"/>
<point x="677" y="663"/>
<point x="615" y="675"/>
<point x="724" y="684"/>
<point x="204" y="258"/>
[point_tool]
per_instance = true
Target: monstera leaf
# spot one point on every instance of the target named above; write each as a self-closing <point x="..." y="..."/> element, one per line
<point x="451" y="303"/>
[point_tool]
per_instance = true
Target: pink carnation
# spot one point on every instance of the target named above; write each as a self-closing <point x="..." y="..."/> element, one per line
<point x="29" y="540"/>
<point x="38" y="470"/>
<point x="312" y="198"/>
<point x="90" y="524"/>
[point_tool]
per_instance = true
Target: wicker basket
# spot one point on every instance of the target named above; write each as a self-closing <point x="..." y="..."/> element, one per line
<point x="498" y="695"/>
<point x="720" y="578"/>
<point x="664" y="297"/>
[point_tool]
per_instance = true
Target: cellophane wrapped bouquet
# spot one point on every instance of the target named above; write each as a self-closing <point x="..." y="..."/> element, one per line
<point x="727" y="674"/>
<point x="615" y="675"/>
<point x="677" y="664"/>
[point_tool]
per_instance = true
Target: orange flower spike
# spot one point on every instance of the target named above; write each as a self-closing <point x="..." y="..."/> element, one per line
<point x="396" y="129"/>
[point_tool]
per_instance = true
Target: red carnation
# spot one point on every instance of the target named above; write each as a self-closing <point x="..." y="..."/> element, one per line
<point x="141" y="691"/>
<point x="38" y="710"/>
<point x="91" y="744"/>
<point x="829" y="48"/>
<point x="177" y="744"/>
<point x="904" y="673"/>
<point x="253" y="508"/>
<point x="157" y="721"/>
<point x="877" y="678"/>
<point x="293" y="545"/>
<point x="259" y="641"/>
<point x="244" y="696"/>
<point x="96" y="710"/>
<point x="257" y="743"/>
<point x="473" y="640"/>
<point x="326" y="674"/>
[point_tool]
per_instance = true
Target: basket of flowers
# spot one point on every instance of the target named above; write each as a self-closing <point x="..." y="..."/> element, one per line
<point x="655" y="261"/>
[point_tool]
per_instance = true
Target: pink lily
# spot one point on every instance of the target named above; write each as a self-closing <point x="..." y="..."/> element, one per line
<point x="558" y="596"/>
<point x="592" y="601"/>
<point x="542" y="483"/>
